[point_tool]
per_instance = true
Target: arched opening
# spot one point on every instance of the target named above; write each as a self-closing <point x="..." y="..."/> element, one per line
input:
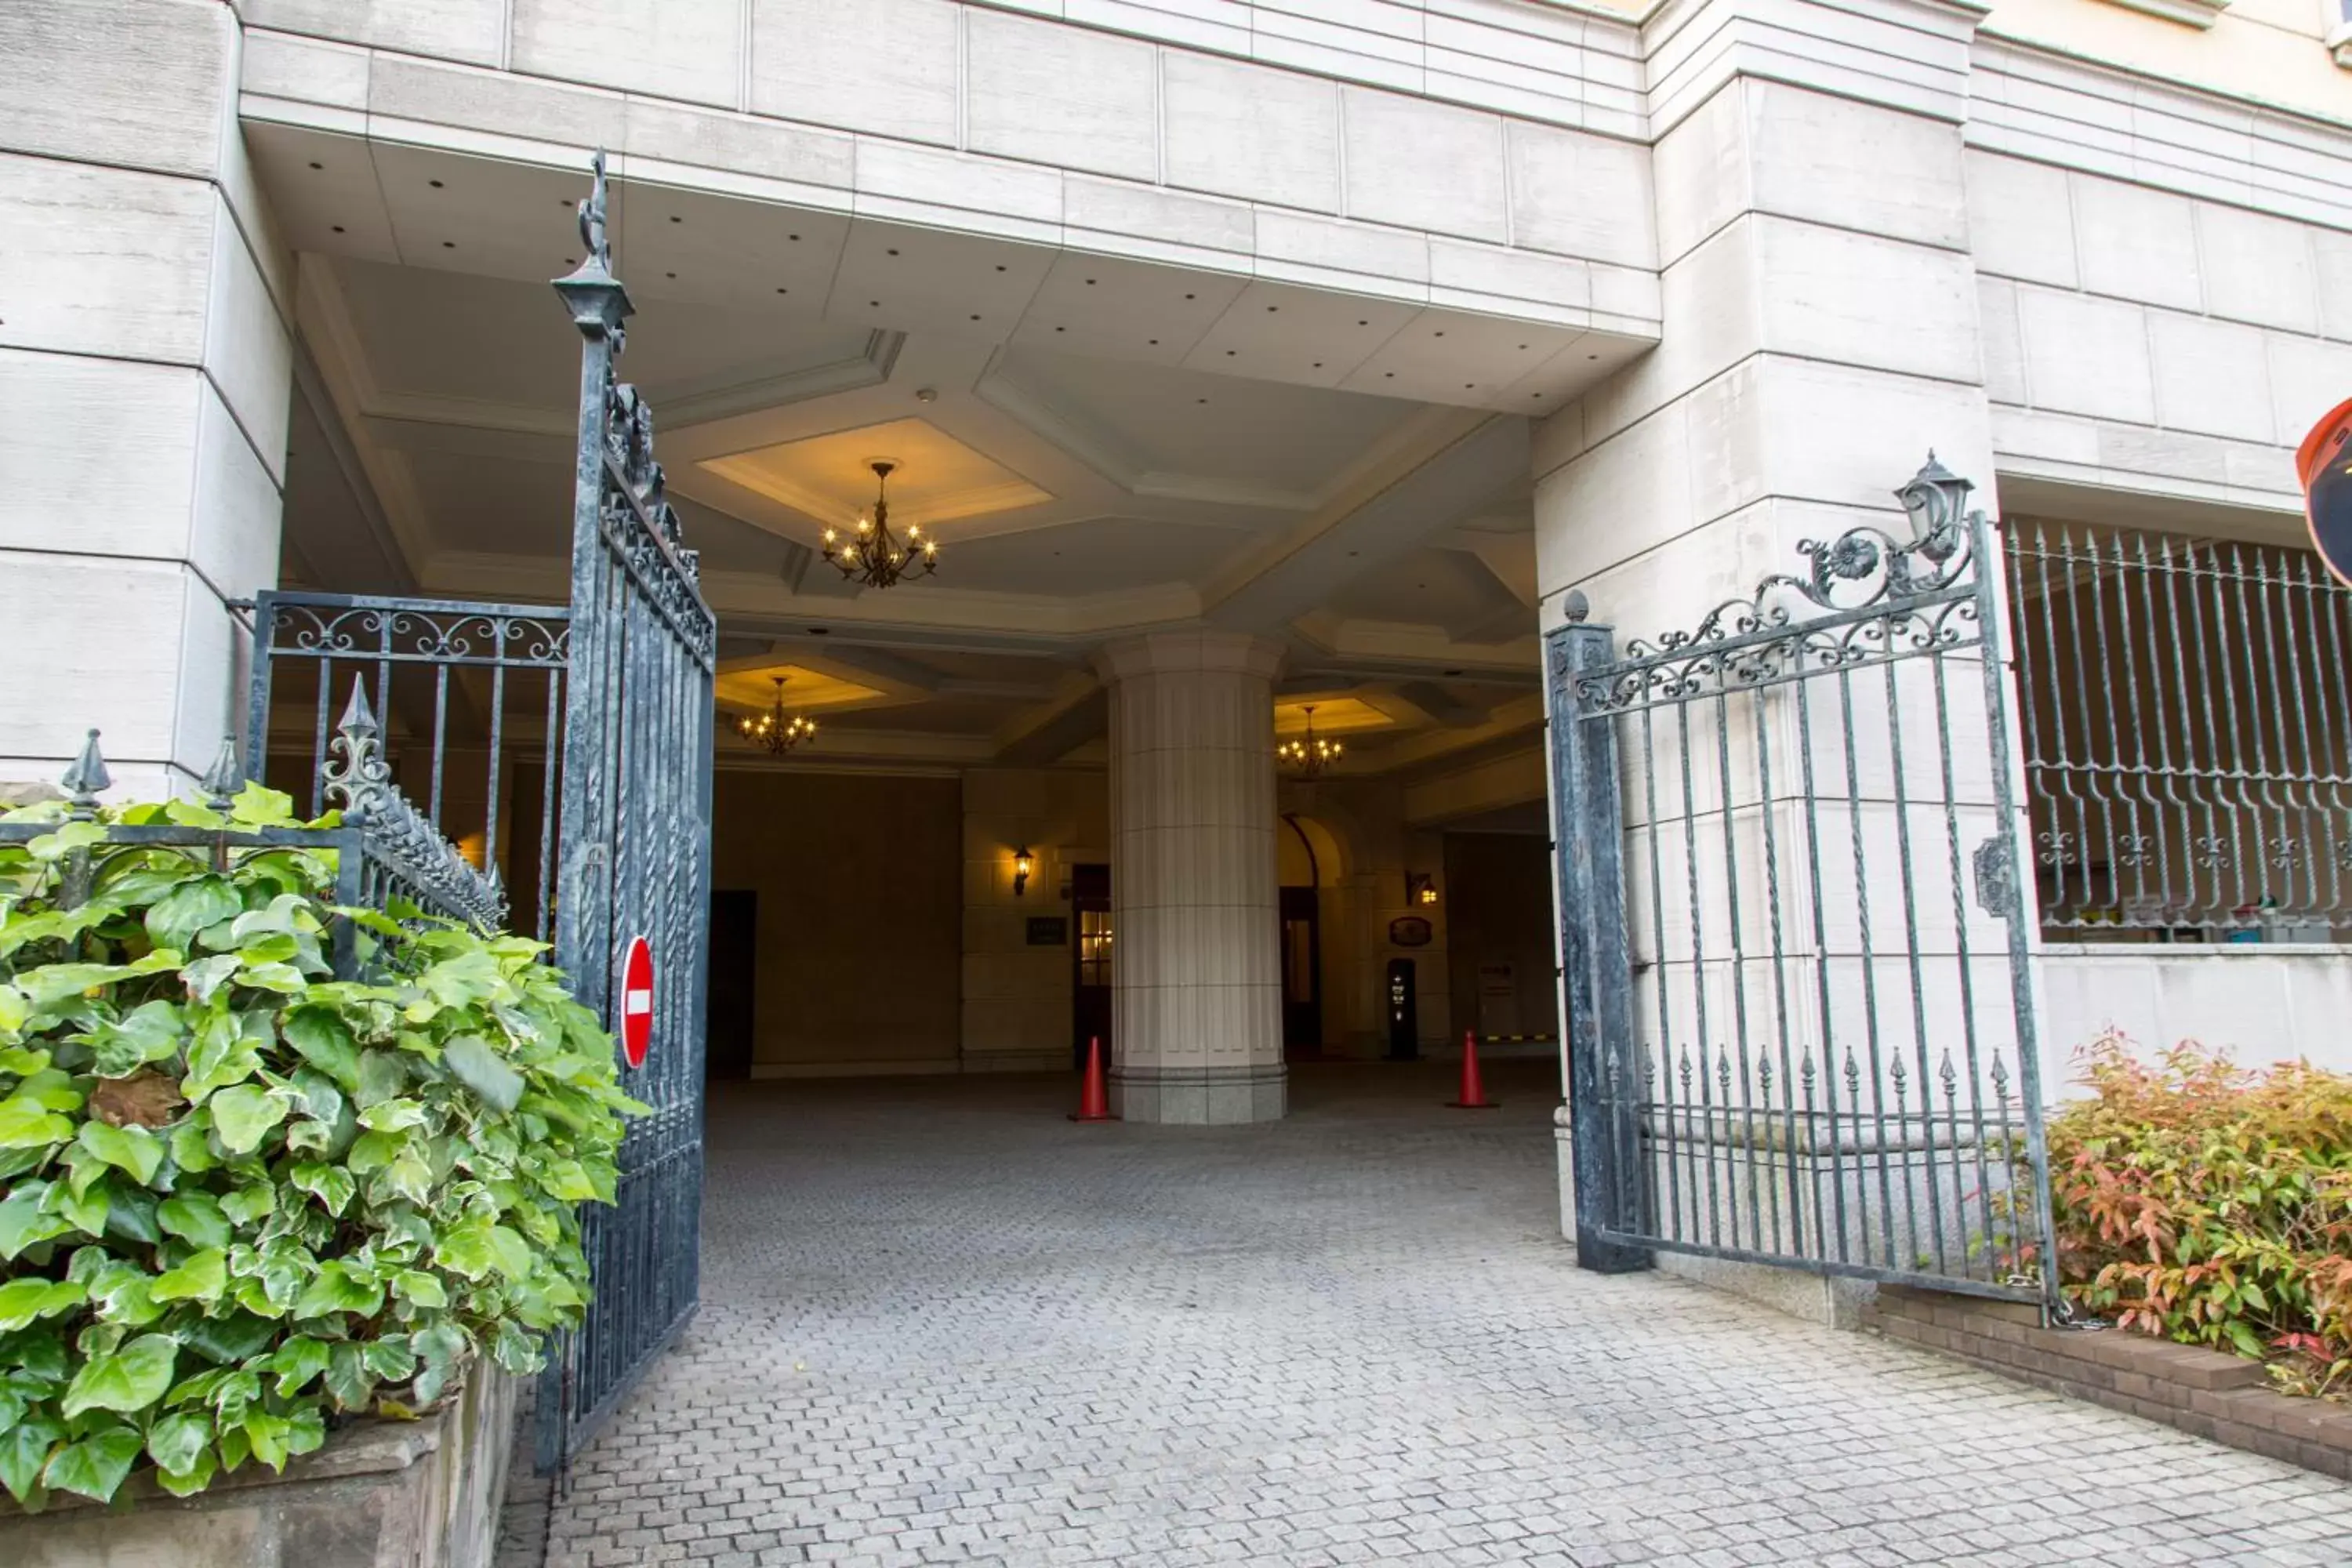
<point x="1309" y="862"/>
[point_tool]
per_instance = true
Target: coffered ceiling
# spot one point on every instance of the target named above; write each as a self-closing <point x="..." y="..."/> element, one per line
<point x="1101" y="446"/>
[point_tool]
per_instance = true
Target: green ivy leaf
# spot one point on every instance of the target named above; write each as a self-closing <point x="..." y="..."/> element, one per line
<point x="244" y="1115"/>
<point x="205" y="976"/>
<point x="173" y="920"/>
<point x="393" y="1360"/>
<point x="481" y="1070"/>
<point x="129" y="1379"/>
<point x="325" y="1042"/>
<point x="382" y="1075"/>
<point x="194" y="1217"/>
<point x="24" y="1302"/>
<point x="419" y="1289"/>
<point x="330" y="1184"/>
<point x="132" y="1150"/>
<point x="201" y="1278"/>
<point x="348" y="1378"/>
<point x="25" y="1123"/>
<point x="465" y="1249"/>
<point x="25" y="1450"/>
<point x="230" y="1339"/>
<point x="96" y="1465"/>
<point x="23" y="1221"/>
<point x="248" y="1204"/>
<point x="149" y="1033"/>
<point x="175" y="1441"/>
<point x="297" y="1361"/>
<point x="339" y="1289"/>
<point x="393" y="1116"/>
<point x="567" y="1181"/>
<point x="222" y="1054"/>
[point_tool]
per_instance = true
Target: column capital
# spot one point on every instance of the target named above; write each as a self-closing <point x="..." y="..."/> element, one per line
<point x="1200" y="649"/>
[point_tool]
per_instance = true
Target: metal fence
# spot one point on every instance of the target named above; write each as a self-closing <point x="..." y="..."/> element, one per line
<point x="2185" y="708"/>
<point x="471" y="696"/>
<point x="386" y="855"/>
<point x="1802" y="1029"/>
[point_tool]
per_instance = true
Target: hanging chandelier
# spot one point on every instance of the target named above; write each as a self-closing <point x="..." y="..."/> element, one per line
<point x="772" y="730"/>
<point x="872" y="553"/>
<point x="1309" y="754"/>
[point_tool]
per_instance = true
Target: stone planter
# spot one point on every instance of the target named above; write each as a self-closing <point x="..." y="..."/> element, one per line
<point x="381" y="1494"/>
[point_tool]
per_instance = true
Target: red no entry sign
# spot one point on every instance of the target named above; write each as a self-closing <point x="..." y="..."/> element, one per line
<point x="2324" y="464"/>
<point x="636" y="1002"/>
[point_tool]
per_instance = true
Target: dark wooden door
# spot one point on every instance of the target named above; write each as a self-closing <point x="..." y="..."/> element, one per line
<point x="734" y="975"/>
<point x="1090" y="957"/>
<point x="1302" y="973"/>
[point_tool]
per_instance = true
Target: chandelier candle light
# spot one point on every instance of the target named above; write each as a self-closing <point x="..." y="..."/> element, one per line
<point x="772" y="730"/>
<point x="874" y="555"/>
<point x="1309" y="754"/>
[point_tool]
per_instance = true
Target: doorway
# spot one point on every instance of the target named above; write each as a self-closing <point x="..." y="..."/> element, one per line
<point x="734" y="975"/>
<point x="1302" y="973"/>
<point x="1090" y="957"/>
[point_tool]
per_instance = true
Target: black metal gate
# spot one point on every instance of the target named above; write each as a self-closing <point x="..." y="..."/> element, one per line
<point x="1792" y="1040"/>
<point x="587" y="733"/>
<point x="635" y="857"/>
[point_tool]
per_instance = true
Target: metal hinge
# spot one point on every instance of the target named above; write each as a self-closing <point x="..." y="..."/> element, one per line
<point x="1996" y="871"/>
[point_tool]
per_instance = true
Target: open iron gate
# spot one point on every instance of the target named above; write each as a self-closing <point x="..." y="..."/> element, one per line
<point x="1792" y="1038"/>
<point x="588" y="733"/>
<point x="635" y="857"/>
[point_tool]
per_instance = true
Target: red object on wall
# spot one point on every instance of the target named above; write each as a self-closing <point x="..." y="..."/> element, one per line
<point x="636" y="1002"/>
<point x="2323" y="465"/>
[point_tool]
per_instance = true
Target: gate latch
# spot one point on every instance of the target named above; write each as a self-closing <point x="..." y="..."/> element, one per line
<point x="1996" y="875"/>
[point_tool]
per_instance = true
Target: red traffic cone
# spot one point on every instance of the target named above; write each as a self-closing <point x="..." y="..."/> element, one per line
<point x="1094" y="1099"/>
<point x="1473" y="1093"/>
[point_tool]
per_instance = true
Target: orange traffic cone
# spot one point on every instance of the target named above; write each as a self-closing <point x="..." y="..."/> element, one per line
<point x="1094" y="1099"/>
<point x="1473" y="1093"/>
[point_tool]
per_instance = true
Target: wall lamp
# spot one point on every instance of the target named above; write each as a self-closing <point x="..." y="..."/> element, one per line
<point x="1023" y="864"/>
<point x="1420" y="888"/>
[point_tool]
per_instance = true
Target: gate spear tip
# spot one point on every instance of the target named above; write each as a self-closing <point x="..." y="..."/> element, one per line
<point x="358" y="719"/>
<point x="87" y="776"/>
<point x="220" y="781"/>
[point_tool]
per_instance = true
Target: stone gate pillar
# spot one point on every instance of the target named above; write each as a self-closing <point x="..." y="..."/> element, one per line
<point x="1196" y="991"/>
<point x="145" y="378"/>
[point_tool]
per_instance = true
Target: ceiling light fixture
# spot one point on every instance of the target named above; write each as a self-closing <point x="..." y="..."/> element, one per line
<point x="1309" y="754"/>
<point x="872" y="554"/>
<point x="773" y="732"/>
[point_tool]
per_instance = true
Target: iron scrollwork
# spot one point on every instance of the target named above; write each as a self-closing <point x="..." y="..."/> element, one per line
<point x="360" y="783"/>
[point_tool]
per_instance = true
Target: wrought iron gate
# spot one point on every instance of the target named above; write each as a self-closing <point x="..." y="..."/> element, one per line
<point x="1792" y="1038"/>
<point x="634" y="848"/>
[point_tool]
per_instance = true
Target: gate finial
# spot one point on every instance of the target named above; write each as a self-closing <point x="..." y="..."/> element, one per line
<point x="85" y="778"/>
<point x="220" y="779"/>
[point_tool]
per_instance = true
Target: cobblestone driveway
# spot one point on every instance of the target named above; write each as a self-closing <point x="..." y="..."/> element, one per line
<point x="940" y="1324"/>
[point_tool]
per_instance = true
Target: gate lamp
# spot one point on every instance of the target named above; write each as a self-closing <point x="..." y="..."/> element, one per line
<point x="1935" y="500"/>
<point x="1023" y="864"/>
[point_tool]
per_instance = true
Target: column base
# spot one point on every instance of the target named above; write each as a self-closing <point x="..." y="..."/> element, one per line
<point x="1201" y="1097"/>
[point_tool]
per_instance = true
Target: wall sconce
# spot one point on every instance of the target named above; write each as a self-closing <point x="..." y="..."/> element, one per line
<point x="1023" y="864"/>
<point x="1420" y="888"/>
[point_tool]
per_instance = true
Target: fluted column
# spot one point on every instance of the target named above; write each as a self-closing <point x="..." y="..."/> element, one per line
<point x="1196" y="990"/>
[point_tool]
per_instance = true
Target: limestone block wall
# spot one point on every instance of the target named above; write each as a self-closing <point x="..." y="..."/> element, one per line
<point x="1283" y="141"/>
<point x="144" y="375"/>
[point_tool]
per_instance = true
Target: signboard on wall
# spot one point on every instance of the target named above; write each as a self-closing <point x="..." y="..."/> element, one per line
<point x="1049" y="931"/>
<point x="1409" y="931"/>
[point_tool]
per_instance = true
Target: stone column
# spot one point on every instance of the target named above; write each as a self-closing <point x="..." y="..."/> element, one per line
<point x="145" y="375"/>
<point x="1196" y="990"/>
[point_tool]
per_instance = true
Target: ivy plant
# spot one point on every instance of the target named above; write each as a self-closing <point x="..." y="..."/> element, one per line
<point x="242" y="1199"/>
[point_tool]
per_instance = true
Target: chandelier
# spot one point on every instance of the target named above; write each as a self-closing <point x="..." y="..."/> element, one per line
<point x="873" y="554"/>
<point x="772" y="730"/>
<point x="1309" y="754"/>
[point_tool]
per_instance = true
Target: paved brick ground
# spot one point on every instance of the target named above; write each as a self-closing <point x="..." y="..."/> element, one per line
<point x="940" y="1324"/>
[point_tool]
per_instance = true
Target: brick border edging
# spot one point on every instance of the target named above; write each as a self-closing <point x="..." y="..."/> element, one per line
<point x="2210" y="1394"/>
